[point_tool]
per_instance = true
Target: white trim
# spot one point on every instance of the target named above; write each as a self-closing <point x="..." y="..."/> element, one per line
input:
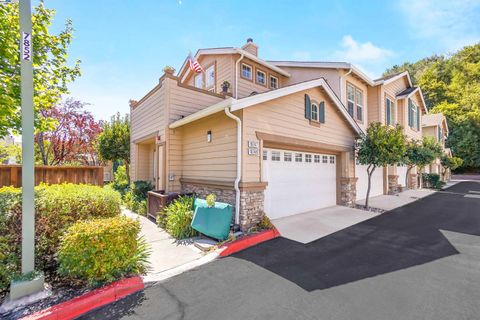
<point x="398" y="76"/>
<point x="231" y="50"/>
<point x="270" y="81"/>
<point x="411" y="94"/>
<point x="251" y="71"/>
<point x="266" y="96"/>
<point x="264" y="77"/>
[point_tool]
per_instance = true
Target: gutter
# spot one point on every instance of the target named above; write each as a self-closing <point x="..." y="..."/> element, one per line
<point x="239" y="163"/>
<point x="237" y="63"/>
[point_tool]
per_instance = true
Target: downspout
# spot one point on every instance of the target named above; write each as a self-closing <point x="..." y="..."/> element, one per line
<point x="236" y="74"/>
<point x="239" y="163"/>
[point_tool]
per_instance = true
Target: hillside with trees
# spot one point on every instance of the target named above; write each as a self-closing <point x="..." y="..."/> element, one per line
<point x="451" y="85"/>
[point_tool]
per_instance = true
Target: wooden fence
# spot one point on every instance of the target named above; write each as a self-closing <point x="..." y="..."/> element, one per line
<point x="11" y="175"/>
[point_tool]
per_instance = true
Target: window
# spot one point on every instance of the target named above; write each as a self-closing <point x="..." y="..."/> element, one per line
<point x="210" y="77"/>
<point x="355" y="101"/>
<point x="413" y="115"/>
<point x="308" y="158"/>
<point x="298" y="157"/>
<point x="287" y="157"/>
<point x="332" y="159"/>
<point x="261" y="77"/>
<point x="273" y="82"/>
<point x="316" y="158"/>
<point x="324" y="159"/>
<point x="246" y="71"/>
<point x="265" y="155"/>
<point x="359" y="101"/>
<point x="440" y="134"/>
<point x="275" y="156"/>
<point x="199" y="81"/>
<point x="314" y="112"/>
<point x="350" y="99"/>
<point x="389" y="112"/>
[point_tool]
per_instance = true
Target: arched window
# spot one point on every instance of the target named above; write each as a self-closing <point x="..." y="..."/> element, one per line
<point x="314" y="112"/>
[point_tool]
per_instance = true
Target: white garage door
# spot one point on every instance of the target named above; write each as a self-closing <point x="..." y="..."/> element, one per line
<point x="298" y="182"/>
<point x="401" y="172"/>
<point x="376" y="188"/>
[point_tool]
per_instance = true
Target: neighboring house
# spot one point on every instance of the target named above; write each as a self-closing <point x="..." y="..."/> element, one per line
<point x="280" y="141"/>
<point x="435" y="125"/>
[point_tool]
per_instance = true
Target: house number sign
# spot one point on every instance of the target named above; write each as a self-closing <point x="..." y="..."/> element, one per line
<point x="252" y="148"/>
<point x="26" y="46"/>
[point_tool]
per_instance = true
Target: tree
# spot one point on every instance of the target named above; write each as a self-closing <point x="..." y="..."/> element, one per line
<point x="9" y="151"/>
<point x="51" y="71"/>
<point x="451" y="85"/>
<point x="420" y="154"/>
<point x="451" y="163"/>
<point x="113" y="143"/>
<point x="380" y="147"/>
<point x="73" y="138"/>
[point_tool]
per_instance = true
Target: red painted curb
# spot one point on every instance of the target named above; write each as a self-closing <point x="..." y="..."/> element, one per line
<point x="248" y="241"/>
<point x="89" y="301"/>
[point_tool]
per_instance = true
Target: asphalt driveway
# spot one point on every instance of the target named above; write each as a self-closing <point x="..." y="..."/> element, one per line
<point x="420" y="261"/>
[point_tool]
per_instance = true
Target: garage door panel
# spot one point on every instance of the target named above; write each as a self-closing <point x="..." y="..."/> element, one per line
<point x="362" y="182"/>
<point x="295" y="187"/>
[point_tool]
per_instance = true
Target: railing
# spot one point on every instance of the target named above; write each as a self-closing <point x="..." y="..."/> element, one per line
<point x="11" y="175"/>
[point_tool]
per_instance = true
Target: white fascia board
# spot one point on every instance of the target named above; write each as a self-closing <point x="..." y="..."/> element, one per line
<point x="398" y="76"/>
<point x="219" y="106"/>
<point x="253" y="57"/>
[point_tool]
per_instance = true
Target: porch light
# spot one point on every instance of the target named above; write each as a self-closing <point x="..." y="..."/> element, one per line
<point x="209" y="136"/>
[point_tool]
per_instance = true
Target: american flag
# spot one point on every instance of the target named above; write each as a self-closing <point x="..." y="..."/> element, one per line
<point x="194" y="65"/>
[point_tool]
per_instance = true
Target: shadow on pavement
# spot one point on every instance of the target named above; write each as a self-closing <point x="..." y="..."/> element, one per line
<point x="117" y="310"/>
<point x="402" y="238"/>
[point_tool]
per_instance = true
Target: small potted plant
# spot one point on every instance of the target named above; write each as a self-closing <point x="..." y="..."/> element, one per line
<point x="211" y="198"/>
<point x="169" y="69"/>
<point x="225" y="86"/>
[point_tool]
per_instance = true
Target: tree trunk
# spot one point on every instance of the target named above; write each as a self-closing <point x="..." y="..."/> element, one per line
<point x="421" y="178"/>
<point x="41" y="147"/>
<point x="406" y="176"/>
<point x="370" y="170"/>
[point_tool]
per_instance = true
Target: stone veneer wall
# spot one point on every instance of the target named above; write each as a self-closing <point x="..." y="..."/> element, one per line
<point x="348" y="191"/>
<point x="251" y="201"/>
<point x="393" y="187"/>
<point x="413" y="181"/>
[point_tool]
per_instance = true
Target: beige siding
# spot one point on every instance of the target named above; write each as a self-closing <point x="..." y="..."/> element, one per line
<point x="391" y="90"/>
<point x="285" y="117"/>
<point x="246" y="87"/>
<point x="209" y="161"/>
<point x="374" y="102"/>
<point x="174" y="160"/>
<point x="224" y="70"/>
<point x="144" y="162"/>
<point x="299" y="74"/>
<point x="148" y="117"/>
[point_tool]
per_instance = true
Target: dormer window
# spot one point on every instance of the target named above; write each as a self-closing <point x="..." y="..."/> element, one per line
<point x="199" y="81"/>
<point x="314" y="112"/>
<point x="273" y="82"/>
<point x="389" y="111"/>
<point x="413" y="115"/>
<point x="246" y="71"/>
<point x="261" y="77"/>
<point x="210" y="77"/>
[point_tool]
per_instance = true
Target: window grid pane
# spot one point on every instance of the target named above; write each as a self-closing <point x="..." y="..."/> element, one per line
<point x="287" y="157"/>
<point x="260" y="77"/>
<point x="298" y="157"/>
<point x="324" y="159"/>
<point x="265" y="155"/>
<point x="332" y="159"/>
<point x="275" y="156"/>
<point x="308" y="158"/>
<point x="316" y="158"/>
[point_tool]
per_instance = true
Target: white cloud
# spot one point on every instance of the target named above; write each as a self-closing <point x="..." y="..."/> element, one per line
<point x="368" y="57"/>
<point x="452" y="24"/>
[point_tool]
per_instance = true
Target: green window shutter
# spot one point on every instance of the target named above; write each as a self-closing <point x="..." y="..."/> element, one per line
<point x="388" y="111"/>
<point x="308" y="107"/>
<point x="410" y="114"/>
<point x="418" y="118"/>
<point x="321" y="112"/>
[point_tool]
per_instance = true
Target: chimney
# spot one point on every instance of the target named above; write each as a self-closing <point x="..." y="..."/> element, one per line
<point x="251" y="47"/>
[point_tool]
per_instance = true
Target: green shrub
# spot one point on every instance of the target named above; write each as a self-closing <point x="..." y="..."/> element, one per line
<point x="136" y="198"/>
<point x="178" y="217"/>
<point x="265" y="223"/>
<point x="432" y="180"/>
<point x="120" y="180"/>
<point x="57" y="207"/>
<point x="103" y="250"/>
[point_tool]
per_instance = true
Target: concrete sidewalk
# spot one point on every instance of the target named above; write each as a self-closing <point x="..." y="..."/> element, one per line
<point x="390" y="202"/>
<point x="309" y="226"/>
<point x="166" y="252"/>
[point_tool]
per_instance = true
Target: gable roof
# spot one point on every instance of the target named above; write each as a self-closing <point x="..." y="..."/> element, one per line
<point x="393" y="77"/>
<point x="434" y="119"/>
<point x="238" y="104"/>
<point x="325" y="65"/>
<point x="407" y="92"/>
<point x="231" y="50"/>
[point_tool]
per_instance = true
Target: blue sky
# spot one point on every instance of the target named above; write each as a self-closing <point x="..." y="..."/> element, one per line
<point x="124" y="45"/>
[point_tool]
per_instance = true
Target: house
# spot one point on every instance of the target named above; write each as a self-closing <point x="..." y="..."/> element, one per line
<point x="435" y="126"/>
<point x="279" y="141"/>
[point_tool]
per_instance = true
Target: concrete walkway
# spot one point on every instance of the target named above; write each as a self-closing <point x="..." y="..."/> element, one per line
<point x="166" y="252"/>
<point x="390" y="202"/>
<point x="309" y="226"/>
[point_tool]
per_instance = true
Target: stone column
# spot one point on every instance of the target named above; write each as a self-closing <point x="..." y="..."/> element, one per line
<point x="348" y="191"/>
<point x="251" y="208"/>
<point x="413" y="181"/>
<point x="393" y="184"/>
